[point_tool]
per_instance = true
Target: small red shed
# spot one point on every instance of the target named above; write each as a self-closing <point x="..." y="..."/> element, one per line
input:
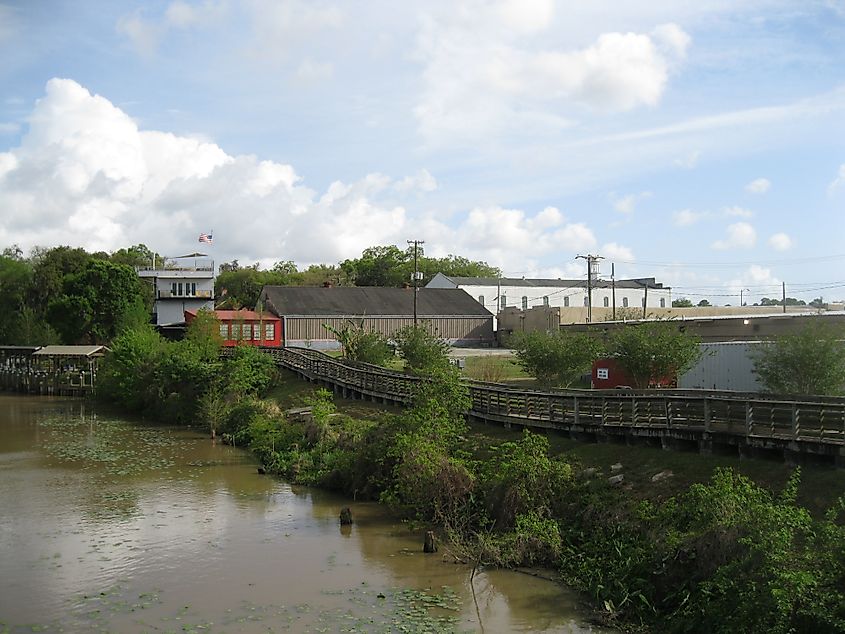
<point x="607" y="375"/>
<point x="246" y="327"/>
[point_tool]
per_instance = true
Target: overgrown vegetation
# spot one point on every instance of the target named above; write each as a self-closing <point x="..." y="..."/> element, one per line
<point x="652" y="351"/>
<point x="180" y="380"/>
<point x="722" y="556"/>
<point x="422" y="350"/>
<point x="358" y="344"/>
<point x="558" y="358"/>
<point x="809" y="362"/>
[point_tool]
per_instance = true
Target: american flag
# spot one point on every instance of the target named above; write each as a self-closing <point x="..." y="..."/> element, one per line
<point x="205" y="237"/>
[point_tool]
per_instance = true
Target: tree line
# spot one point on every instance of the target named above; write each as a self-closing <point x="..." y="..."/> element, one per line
<point x="810" y="361"/>
<point x="388" y="265"/>
<point x="70" y="296"/>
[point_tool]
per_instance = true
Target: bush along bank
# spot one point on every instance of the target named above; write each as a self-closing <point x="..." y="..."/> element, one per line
<point x="724" y="556"/>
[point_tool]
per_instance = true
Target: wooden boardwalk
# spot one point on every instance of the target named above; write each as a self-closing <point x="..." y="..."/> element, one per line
<point x="706" y="420"/>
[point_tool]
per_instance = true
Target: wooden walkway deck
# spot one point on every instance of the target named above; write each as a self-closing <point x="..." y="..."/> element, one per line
<point x="750" y="424"/>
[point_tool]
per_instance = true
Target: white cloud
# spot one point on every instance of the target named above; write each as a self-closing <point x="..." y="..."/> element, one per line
<point x="780" y="242"/>
<point x="279" y="28"/>
<point x="142" y="34"/>
<point x="312" y="71"/>
<point x="758" y="186"/>
<point x="739" y="236"/>
<point x="755" y="282"/>
<point x="479" y="77"/>
<point x="688" y="161"/>
<point x="422" y="181"/>
<point x="183" y="15"/>
<point x="626" y="204"/>
<point x="687" y="217"/>
<point x="526" y="16"/>
<point x="836" y="182"/>
<point x="86" y="175"/>
<point x="612" y="251"/>
<point x="738" y="211"/>
<point x="9" y="128"/>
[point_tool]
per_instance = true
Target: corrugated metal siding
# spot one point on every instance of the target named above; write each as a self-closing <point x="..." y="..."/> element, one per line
<point x="725" y="366"/>
<point x="449" y="328"/>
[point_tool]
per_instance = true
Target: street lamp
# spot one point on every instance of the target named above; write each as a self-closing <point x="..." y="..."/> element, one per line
<point x="740" y="295"/>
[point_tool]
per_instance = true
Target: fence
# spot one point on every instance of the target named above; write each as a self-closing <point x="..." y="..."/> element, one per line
<point x="748" y="423"/>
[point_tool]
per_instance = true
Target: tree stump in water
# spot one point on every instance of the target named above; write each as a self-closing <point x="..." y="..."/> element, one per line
<point x="430" y="545"/>
<point x="345" y="516"/>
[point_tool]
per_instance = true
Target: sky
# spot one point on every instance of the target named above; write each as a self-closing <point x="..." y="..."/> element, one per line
<point x="700" y="142"/>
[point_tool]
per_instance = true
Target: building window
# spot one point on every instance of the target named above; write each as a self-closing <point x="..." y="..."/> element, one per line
<point x="194" y="289"/>
<point x="236" y="331"/>
<point x="586" y="301"/>
<point x="247" y="332"/>
<point x="224" y="331"/>
<point x="173" y="288"/>
<point x="566" y="301"/>
<point x="269" y="332"/>
<point x="256" y="332"/>
<point x="524" y="302"/>
<point x="606" y="302"/>
<point x="503" y="302"/>
<point x="481" y="299"/>
<point x="180" y="290"/>
<point x="625" y="302"/>
<point x="662" y="302"/>
<point x="546" y="300"/>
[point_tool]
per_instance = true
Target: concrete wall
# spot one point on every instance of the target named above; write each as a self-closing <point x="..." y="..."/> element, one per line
<point x="544" y="318"/>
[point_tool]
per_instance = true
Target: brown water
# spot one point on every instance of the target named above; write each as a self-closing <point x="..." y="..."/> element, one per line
<point x="112" y="526"/>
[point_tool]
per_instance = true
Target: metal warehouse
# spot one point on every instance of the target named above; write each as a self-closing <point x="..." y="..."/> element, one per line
<point x="306" y="311"/>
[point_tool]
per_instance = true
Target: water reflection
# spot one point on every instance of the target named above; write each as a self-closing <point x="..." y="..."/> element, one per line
<point x="126" y="527"/>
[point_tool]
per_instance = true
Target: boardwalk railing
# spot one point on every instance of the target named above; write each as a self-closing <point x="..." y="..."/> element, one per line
<point x="711" y="419"/>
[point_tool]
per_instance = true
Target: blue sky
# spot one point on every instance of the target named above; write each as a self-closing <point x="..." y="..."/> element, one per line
<point x="701" y="143"/>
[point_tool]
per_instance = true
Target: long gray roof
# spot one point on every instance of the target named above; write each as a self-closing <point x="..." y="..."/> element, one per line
<point x="370" y="301"/>
<point x="70" y="351"/>
<point x="535" y="282"/>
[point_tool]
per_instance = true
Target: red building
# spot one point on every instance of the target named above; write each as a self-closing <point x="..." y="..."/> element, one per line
<point x="245" y="327"/>
<point x="607" y="375"/>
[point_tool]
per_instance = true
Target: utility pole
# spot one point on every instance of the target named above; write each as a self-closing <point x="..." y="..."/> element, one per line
<point x="416" y="276"/>
<point x="645" y="300"/>
<point x="592" y="269"/>
<point x="783" y="287"/>
<point x="740" y="295"/>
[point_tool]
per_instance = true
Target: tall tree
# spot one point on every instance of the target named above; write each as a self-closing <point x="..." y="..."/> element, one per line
<point x="652" y="351"/>
<point x="557" y="358"/>
<point x="49" y="268"/>
<point x="96" y="303"/>
<point x="379" y="266"/>
<point x="15" y="282"/>
<point x="138" y="256"/>
<point x="810" y="362"/>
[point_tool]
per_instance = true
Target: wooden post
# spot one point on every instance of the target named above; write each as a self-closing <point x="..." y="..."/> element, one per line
<point x="430" y="545"/>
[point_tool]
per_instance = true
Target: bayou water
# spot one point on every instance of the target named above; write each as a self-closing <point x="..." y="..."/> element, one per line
<point x="109" y="525"/>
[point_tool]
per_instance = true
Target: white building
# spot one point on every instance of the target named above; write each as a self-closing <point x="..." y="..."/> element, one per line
<point x="495" y="294"/>
<point x="184" y="283"/>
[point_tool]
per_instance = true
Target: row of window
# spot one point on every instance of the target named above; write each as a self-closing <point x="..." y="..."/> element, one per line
<point x="239" y="332"/>
<point x="503" y="301"/>
<point x="189" y="289"/>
